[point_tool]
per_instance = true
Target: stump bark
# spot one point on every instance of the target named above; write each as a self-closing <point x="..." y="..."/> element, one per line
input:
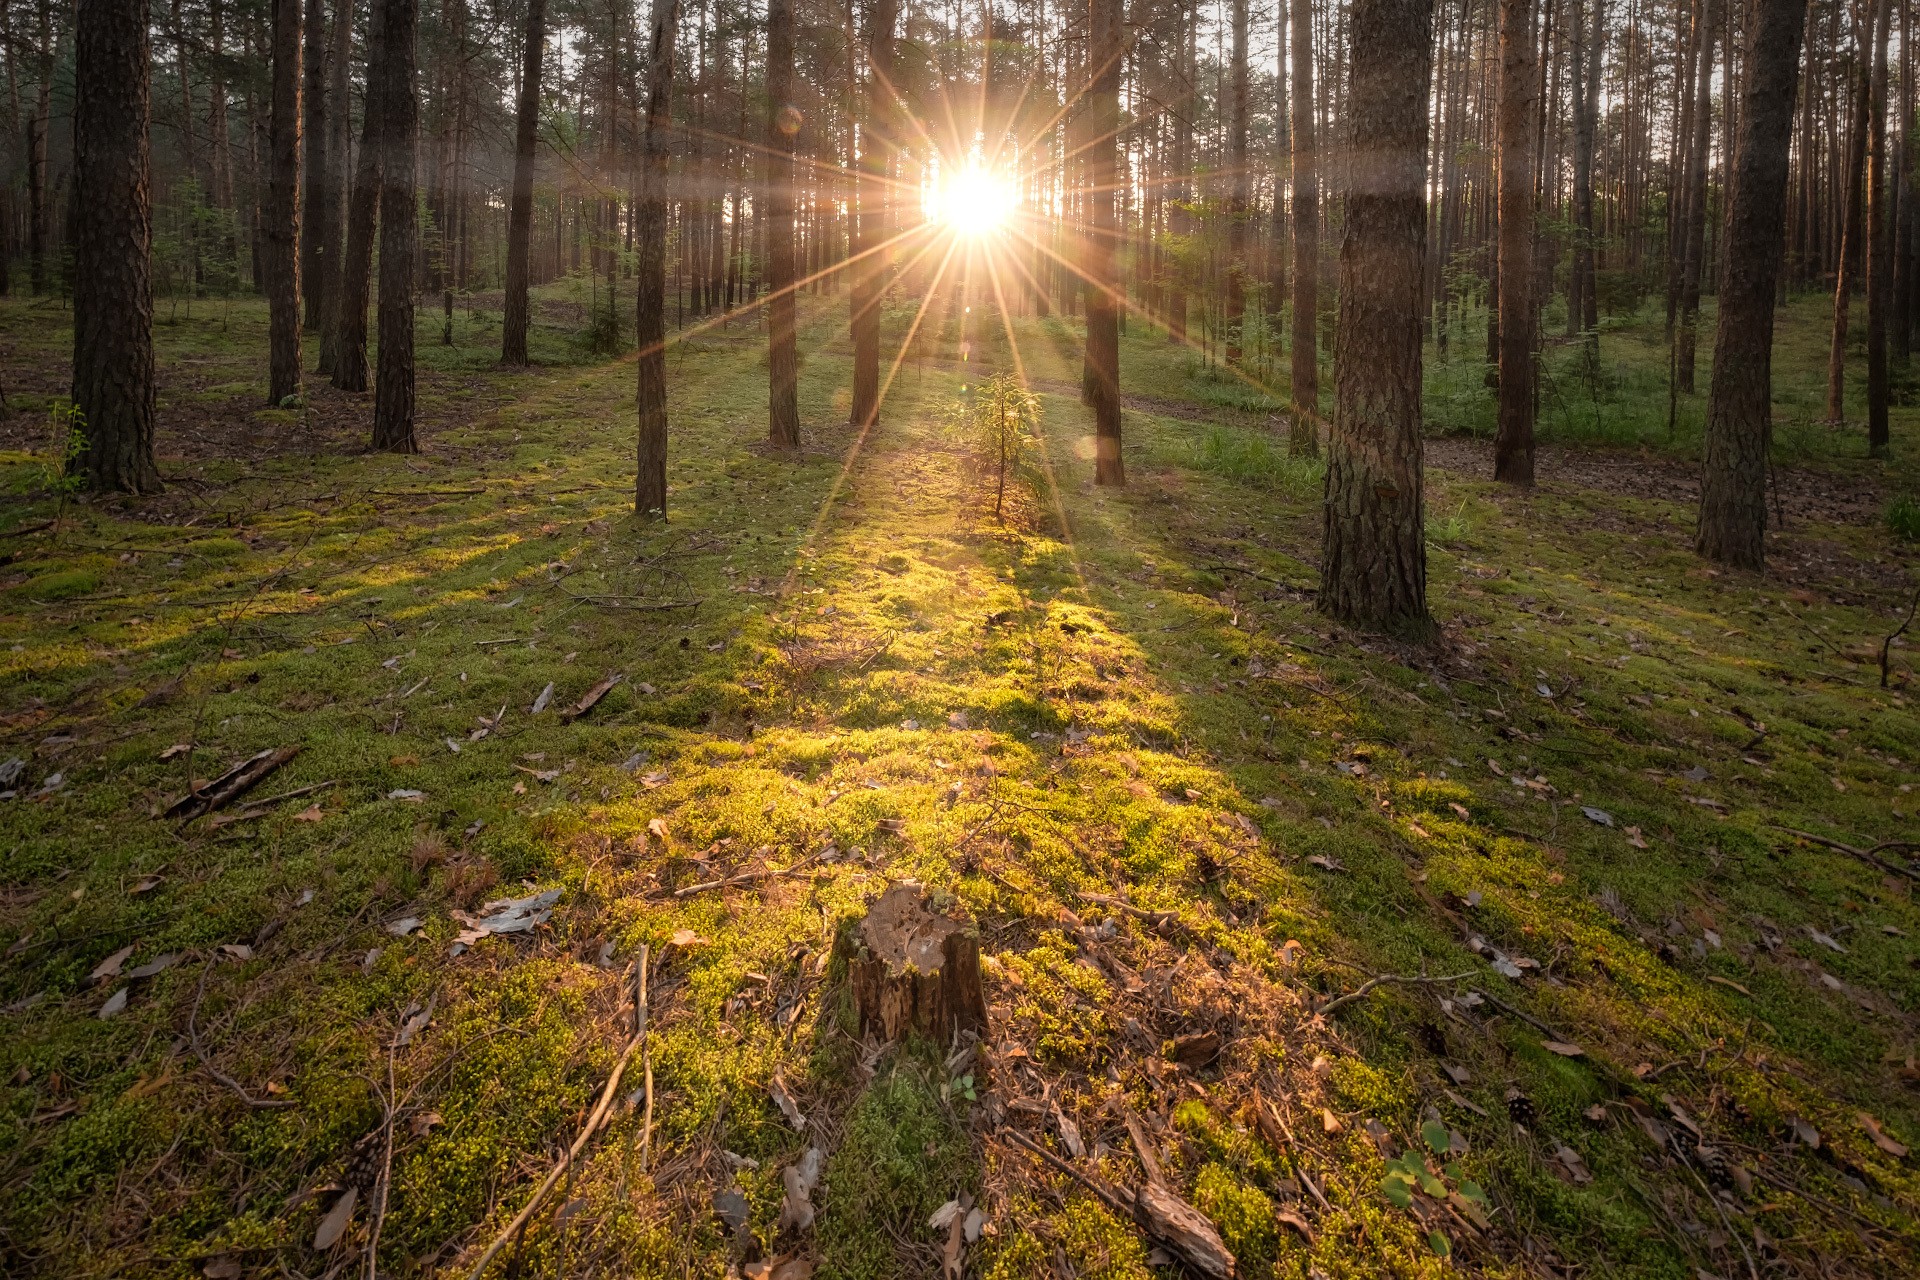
<point x="915" y="971"/>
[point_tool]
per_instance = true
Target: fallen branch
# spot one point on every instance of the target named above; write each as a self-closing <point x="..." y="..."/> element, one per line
<point x="1886" y="646"/>
<point x="1521" y="1014"/>
<point x="424" y="493"/>
<point x="1154" y="919"/>
<point x="1871" y="856"/>
<point x="230" y="785"/>
<point x="1115" y="1199"/>
<point x="1364" y="988"/>
<point x="745" y="877"/>
<point x="600" y="1112"/>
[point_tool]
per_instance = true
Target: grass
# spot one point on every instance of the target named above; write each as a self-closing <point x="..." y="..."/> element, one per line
<point x="1112" y="693"/>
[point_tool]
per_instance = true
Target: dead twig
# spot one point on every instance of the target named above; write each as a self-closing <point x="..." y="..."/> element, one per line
<point x="1886" y="646"/>
<point x="745" y="877"/>
<point x="1871" y="856"/>
<point x="1114" y="1198"/>
<point x="200" y="1052"/>
<point x="1361" y="991"/>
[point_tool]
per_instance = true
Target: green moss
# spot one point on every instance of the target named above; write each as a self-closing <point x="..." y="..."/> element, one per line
<point x="902" y="1155"/>
<point x="1241" y="1211"/>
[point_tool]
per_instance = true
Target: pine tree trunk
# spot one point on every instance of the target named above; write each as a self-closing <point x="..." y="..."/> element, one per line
<point x="280" y="262"/>
<point x="1850" y="233"/>
<point x="393" y="392"/>
<point x="650" y="283"/>
<point x="1103" y="319"/>
<point x="875" y="143"/>
<point x="339" y="152"/>
<point x="112" y="237"/>
<point x="1303" y="439"/>
<point x="1182" y="194"/>
<point x="356" y="265"/>
<point x="1519" y="100"/>
<point x="1879" y="242"/>
<point x="783" y="396"/>
<point x="513" y="339"/>
<point x="1374" y="567"/>
<point x="1733" y="475"/>
<point x="1693" y="252"/>
<point x="1241" y="107"/>
<point x="315" y="221"/>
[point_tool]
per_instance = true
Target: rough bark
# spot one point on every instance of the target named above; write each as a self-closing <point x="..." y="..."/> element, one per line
<point x="1879" y="240"/>
<point x="315" y="221"/>
<point x="1241" y="112"/>
<point x="393" y="392"/>
<point x="871" y="220"/>
<point x="650" y="285"/>
<point x="783" y="385"/>
<point x="112" y="235"/>
<point x="356" y="264"/>
<point x="1733" y="475"/>
<point x="279" y="259"/>
<point x="1694" y="249"/>
<point x="1102" y="381"/>
<point x="913" y="971"/>
<point x="339" y="145"/>
<point x="1373" y="566"/>
<point x="1846" y="278"/>
<point x="513" y="333"/>
<point x="1513" y="444"/>
<point x="1304" y="348"/>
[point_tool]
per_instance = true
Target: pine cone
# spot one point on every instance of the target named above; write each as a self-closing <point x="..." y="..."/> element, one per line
<point x="1520" y="1107"/>
<point x="1714" y="1161"/>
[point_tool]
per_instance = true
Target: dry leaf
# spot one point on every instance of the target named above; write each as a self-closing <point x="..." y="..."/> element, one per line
<point x="145" y="884"/>
<point x="238" y="950"/>
<point x="1728" y="982"/>
<point x="309" y="814"/>
<point x="1562" y="1048"/>
<point x="334" y="1225"/>
<point x="657" y="827"/>
<point x="685" y="938"/>
<point x="110" y="967"/>
<point x="784" y="1100"/>
<point x="177" y="749"/>
<point x="1329" y="1121"/>
<point x="545" y="696"/>
<point x="115" y="1003"/>
<point x="1880" y="1139"/>
<point x="800" y="1177"/>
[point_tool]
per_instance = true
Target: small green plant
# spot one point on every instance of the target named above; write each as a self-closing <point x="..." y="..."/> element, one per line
<point x="67" y="441"/>
<point x="1451" y="528"/>
<point x="999" y="421"/>
<point x="1903" y="517"/>
<point x="1422" y="1173"/>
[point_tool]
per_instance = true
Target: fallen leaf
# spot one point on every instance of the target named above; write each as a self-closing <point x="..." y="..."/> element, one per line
<point x="110" y="967"/>
<point x="405" y="925"/>
<point x="1576" y="1168"/>
<point x="658" y="778"/>
<point x="177" y="749"/>
<point x="238" y="950"/>
<point x="943" y="1216"/>
<point x="334" y="1225"/>
<point x="730" y="1205"/>
<point x="540" y="702"/>
<point x="408" y="794"/>
<point x="1825" y="940"/>
<point x="1325" y="863"/>
<point x="1598" y="816"/>
<point x="115" y="1003"/>
<point x="1329" y="1121"/>
<point x="159" y="964"/>
<point x="800" y="1177"/>
<point x="1880" y="1139"/>
<point x="224" y="1267"/>
<point x="1288" y="1217"/>
<point x="784" y="1100"/>
<point x="657" y="827"/>
<point x="1562" y="1048"/>
<point x="1635" y="839"/>
<point x="1728" y="982"/>
<point x="309" y="814"/>
<point x="424" y="1122"/>
<point x="592" y="696"/>
<point x="1805" y="1132"/>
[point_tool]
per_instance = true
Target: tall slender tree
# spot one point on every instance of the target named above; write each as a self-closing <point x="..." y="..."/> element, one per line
<point x="871" y="222"/>
<point x="279" y="257"/>
<point x="113" y="389"/>
<point x="1846" y="275"/>
<point x="315" y="217"/>
<point x="356" y="263"/>
<point x="783" y="121"/>
<point x="339" y="152"/>
<point x="513" y="329"/>
<point x="650" y="284"/>
<point x="1238" y="183"/>
<point x="1880" y="227"/>
<point x="1693" y="251"/>
<point x="393" y="390"/>
<point x="1519" y="104"/>
<point x="1373" y="567"/>
<point x="1102" y="365"/>
<point x="1733" y="474"/>
<point x="1304" y="436"/>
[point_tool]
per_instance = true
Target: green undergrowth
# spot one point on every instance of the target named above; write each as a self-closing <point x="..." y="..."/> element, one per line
<point x="840" y="666"/>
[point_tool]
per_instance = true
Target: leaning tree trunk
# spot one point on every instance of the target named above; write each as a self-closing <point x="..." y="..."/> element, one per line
<point x="870" y="224"/>
<point x="280" y="261"/>
<point x="913" y="971"/>
<point x="112" y="235"/>
<point x="1733" y="474"/>
<point x="1513" y="445"/>
<point x="393" y="392"/>
<point x="315" y="221"/>
<point x="783" y="384"/>
<point x="1103" y="315"/>
<point x="1879" y="246"/>
<point x="1374" y="564"/>
<point x="1304" y="436"/>
<point x="650" y="269"/>
<point x="513" y="332"/>
<point x="356" y="264"/>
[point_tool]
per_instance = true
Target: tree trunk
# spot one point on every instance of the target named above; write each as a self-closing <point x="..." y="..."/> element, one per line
<point x="339" y="144"/>
<point x="1374" y="563"/>
<point x="112" y="237"/>
<point x="1103" y="317"/>
<point x="913" y="971"/>
<point x="1850" y="233"/>
<point x="1693" y="254"/>
<point x="393" y="392"/>
<point x="1733" y="474"/>
<point x="650" y="283"/>
<point x="356" y="265"/>
<point x="315" y="220"/>
<point x="1182" y="194"/>
<point x="1513" y="445"/>
<point x="1237" y="178"/>
<point x="875" y="144"/>
<point x="39" y="195"/>
<point x="1879" y="239"/>
<point x="280" y="262"/>
<point x="513" y="338"/>
<point x="1303" y="439"/>
<point x="783" y="385"/>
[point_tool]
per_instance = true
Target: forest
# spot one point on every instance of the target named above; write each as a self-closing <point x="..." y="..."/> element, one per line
<point x="777" y="639"/>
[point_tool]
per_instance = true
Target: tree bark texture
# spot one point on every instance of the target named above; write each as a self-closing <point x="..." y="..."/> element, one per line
<point x="650" y="269"/>
<point x="112" y="237"/>
<point x="913" y="971"/>
<point x="1103" y="315"/>
<point x="393" y="391"/>
<point x="783" y="374"/>
<point x="1304" y="349"/>
<point x="1694" y="245"/>
<point x="876" y="130"/>
<point x="1846" y="278"/>
<point x="280" y="261"/>
<point x="356" y="264"/>
<point x="315" y="219"/>
<point x="1374" y="563"/>
<point x="1879" y="240"/>
<point x="1733" y="475"/>
<point x="333" y="246"/>
<point x="1519" y="104"/>
<point x="513" y="330"/>
<point x="1241" y="107"/>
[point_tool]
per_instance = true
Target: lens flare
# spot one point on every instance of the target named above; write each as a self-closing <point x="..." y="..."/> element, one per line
<point x="972" y="201"/>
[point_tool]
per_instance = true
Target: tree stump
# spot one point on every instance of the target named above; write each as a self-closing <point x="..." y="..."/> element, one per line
<point x="915" y="971"/>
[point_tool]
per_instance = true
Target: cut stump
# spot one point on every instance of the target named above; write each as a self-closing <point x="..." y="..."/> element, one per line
<point x="915" y="971"/>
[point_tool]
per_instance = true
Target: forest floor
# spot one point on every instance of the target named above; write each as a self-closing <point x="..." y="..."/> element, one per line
<point x="1657" y="1032"/>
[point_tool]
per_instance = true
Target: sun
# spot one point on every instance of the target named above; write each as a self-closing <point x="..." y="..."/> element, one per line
<point x="973" y="201"/>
